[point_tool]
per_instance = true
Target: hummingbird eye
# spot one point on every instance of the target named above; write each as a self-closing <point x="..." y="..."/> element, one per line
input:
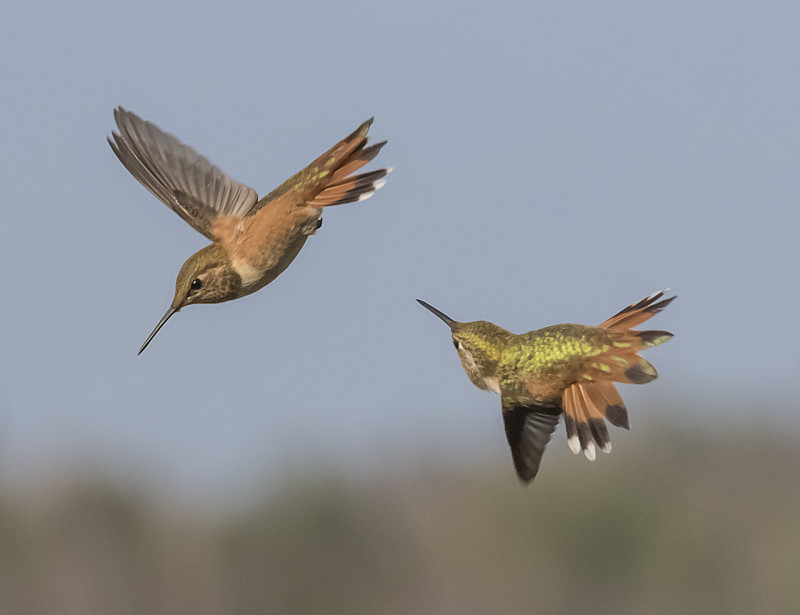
<point x="197" y="283"/>
<point x="456" y="343"/>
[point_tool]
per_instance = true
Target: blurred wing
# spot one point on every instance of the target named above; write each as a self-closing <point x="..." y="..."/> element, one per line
<point x="528" y="430"/>
<point x="182" y="179"/>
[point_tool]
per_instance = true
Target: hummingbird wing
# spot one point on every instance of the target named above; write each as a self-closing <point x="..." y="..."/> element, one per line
<point x="182" y="179"/>
<point x="528" y="430"/>
<point x="327" y="181"/>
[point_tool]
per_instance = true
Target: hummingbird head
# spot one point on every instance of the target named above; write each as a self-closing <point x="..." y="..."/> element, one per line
<point x="479" y="345"/>
<point x="205" y="277"/>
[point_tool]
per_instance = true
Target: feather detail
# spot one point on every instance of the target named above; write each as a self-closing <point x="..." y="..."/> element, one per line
<point x="585" y="411"/>
<point x="358" y="188"/>
<point x="637" y="313"/>
<point x="196" y="190"/>
<point x="330" y="171"/>
<point x="528" y="430"/>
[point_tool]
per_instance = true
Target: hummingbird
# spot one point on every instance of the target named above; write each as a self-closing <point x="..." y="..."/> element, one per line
<point x="253" y="241"/>
<point x="565" y="369"/>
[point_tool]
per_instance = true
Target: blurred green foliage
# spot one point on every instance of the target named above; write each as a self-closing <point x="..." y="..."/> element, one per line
<point x="676" y="522"/>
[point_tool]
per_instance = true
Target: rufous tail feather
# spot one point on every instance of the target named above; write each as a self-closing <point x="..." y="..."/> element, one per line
<point x="344" y="159"/>
<point x="357" y="188"/>
<point x="637" y="313"/>
<point x="586" y="408"/>
<point x="594" y="399"/>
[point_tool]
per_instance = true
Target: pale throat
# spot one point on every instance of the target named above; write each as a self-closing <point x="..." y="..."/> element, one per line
<point x="488" y="383"/>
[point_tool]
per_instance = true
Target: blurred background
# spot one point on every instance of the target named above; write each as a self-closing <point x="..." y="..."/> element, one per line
<point x="316" y="447"/>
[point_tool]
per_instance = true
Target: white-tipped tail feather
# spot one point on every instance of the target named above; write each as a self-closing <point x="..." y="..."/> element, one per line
<point x="376" y="185"/>
<point x="574" y="444"/>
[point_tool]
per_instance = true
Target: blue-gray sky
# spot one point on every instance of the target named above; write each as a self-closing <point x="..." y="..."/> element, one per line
<point x="553" y="163"/>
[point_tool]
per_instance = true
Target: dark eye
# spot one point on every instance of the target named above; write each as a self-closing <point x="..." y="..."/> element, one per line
<point x="197" y="283"/>
<point x="455" y="343"/>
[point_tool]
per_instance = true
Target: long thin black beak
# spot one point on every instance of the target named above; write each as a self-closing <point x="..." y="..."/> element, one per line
<point x="160" y="324"/>
<point x="447" y="320"/>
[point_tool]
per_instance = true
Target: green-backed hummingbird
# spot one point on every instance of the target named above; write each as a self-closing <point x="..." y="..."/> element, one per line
<point x="565" y="370"/>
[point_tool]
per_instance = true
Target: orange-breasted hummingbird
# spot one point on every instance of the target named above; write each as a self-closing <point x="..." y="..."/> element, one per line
<point x="253" y="240"/>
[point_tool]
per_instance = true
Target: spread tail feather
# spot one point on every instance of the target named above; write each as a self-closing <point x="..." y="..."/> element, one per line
<point x="637" y="313"/>
<point x="357" y="188"/>
<point x="619" y="361"/>
<point x="346" y="158"/>
<point x="327" y="180"/>
<point x="594" y="399"/>
<point x="586" y="408"/>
